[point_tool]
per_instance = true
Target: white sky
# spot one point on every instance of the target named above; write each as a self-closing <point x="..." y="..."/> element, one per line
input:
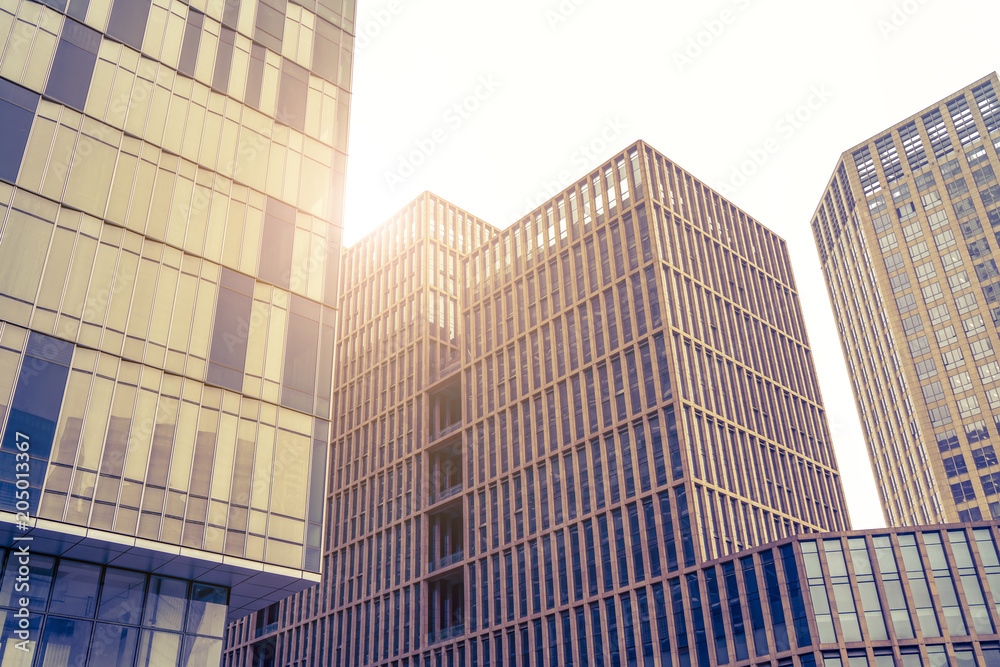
<point x="708" y="84"/>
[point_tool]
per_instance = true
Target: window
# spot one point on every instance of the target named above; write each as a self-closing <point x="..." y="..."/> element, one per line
<point x="899" y="282"/>
<point x="900" y="192"/>
<point x="933" y="392"/>
<point x="937" y="219"/>
<point x="73" y="66"/>
<point x="894" y="262"/>
<point x="906" y="303"/>
<point x="919" y="346"/>
<point x="963" y="491"/>
<point x="229" y="342"/>
<point x="938" y="314"/>
<point x="984" y="175"/>
<point x="993" y="398"/>
<point x="940" y="416"/>
<point x="127" y="23"/>
<point x="974" y="325"/>
<point x="989" y="372"/>
<point x="976" y="431"/>
<point x="945" y="239"/>
<point x="947" y="440"/>
<point x="950" y="168"/>
<point x="925" y="271"/>
<point x="957" y="188"/>
<point x="888" y="242"/>
<point x="977" y="155"/>
<point x="924" y="181"/>
<point x="960" y="382"/>
<point x="932" y="293"/>
<point x="971" y="227"/>
<point x="912" y="325"/>
<point x="292" y="92"/>
<point x="906" y="211"/>
<point x="979" y="249"/>
<point x="946" y="336"/>
<point x="17" y="111"/>
<point x="968" y="407"/>
<point x="930" y="200"/>
<point x="919" y="251"/>
<point x="965" y="303"/>
<point x="953" y="359"/>
<point x="950" y="260"/>
<point x="926" y="369"/>
<point x="986" y="270"/>
<point x="981" y="348"/>
<point x="984" y="457"/>
<point x="912" y="231"/>
<point x="959" y="281"/>
<point x="991" y="483"/>
<point x="882" y="223"/>
<point x="954" y="466"/>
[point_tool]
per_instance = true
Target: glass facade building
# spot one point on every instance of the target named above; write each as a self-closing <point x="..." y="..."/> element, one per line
<point x="171" y="193"/>
<point x="539" y="429"/>
<point x="907" y="232"/>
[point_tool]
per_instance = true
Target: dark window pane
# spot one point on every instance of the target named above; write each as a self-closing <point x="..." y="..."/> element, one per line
<point x="276" y="244"/>
<point x="113" y="645"/>
<point x="121" y="596"/>
<point x="326" y="50"/>
<point x="128" y="21"/>
<point x="73" y="66"/>
<point x="189" y="47"/>
<point x="64" y="638"/>
<point x="75" y="589"/>
<point x="299" y="378"/>
<point x="78" y="10"/>
<point x="224" y="60"/>
<point x="292" y="94"/>
<point x="270" y="24"/>
<point x="58" y="5"/>
<point x="255" y="76"/>
<point x="229" y="337"/>
<point x="41" y="579"/>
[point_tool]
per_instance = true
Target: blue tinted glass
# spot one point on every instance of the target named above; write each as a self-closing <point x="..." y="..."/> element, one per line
<point x="18" y="647"/>
<point x="201" y="651"/>
<point x="165" y="604"/>
<point x="75" y="589"/>
<point x="128" y="21"/>
<point x="73" y="67"/>
<point x="15" y="580"/>
<point x="121" y="596"/>
<point x="64" y="640"/>
<point x="113" y="644"/>
<point x="17" y="110"/>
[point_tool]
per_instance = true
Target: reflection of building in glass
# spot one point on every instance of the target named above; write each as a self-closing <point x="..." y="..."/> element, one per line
<point x="171" y="182"/>
<point x="538" y="429"/>
<point x="907" y="234"/>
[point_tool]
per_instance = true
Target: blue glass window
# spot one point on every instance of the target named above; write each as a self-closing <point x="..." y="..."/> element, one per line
<point x="17" y="111"/>
<point x="73" y="66"/>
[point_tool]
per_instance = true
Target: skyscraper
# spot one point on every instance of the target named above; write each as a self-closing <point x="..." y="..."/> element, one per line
<point x="536" y="427"/>
<point x="171" y="184"/>
<point x="906" y="231"/>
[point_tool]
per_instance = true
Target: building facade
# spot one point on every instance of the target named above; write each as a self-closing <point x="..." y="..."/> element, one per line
<point x="171" y="185"/>
<point x="538" y="427"/>
<point x="906" y="232"/>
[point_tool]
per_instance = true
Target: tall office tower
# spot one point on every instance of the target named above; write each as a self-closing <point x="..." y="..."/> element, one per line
<point x="634" y="394"/>
<point x="171" y="183"/>
<point x="906" y="234"/>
